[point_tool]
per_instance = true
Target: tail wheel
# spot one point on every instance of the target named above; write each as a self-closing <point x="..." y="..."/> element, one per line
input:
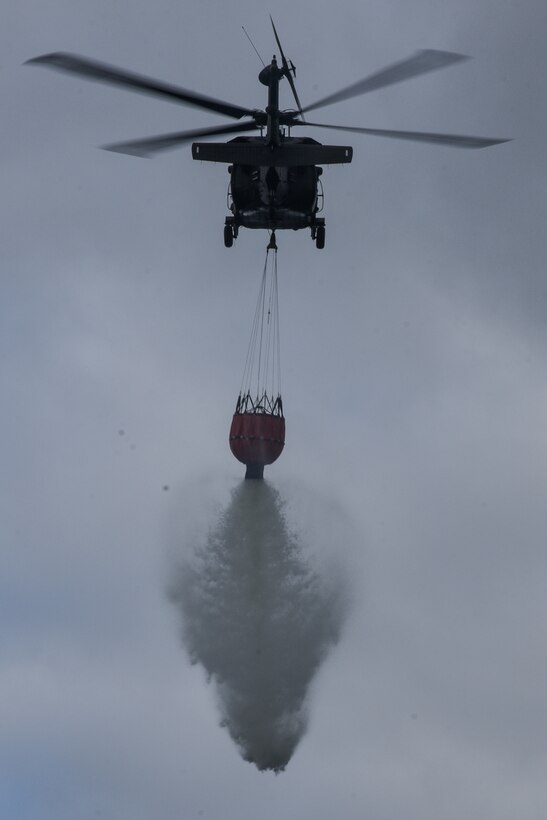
<point x="320" y="237"/>
<point x="228" y="236"/>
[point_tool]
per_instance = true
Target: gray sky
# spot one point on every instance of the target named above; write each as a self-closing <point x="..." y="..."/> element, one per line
<point x="414" y="384"/>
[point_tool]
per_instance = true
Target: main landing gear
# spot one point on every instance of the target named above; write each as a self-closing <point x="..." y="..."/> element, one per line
<point x="318" y="234"/>
<point x="230" y="231"/>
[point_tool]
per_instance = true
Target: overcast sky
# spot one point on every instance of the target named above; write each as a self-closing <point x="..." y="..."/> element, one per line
<point x="410" y="500"/>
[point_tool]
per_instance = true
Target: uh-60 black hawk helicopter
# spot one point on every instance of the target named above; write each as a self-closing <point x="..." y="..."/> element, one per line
<point x="275" y="178"/>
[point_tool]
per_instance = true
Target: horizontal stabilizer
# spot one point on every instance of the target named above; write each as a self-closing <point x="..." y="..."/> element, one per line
<point x="248" y="153"/>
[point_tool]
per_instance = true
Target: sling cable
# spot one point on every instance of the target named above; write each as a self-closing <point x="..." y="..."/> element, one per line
<point x="257" y="434"/>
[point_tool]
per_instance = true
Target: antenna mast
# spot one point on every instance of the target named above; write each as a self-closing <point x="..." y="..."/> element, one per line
<point x="253" y="45"/>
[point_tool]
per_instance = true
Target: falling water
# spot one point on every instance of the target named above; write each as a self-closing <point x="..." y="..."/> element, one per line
<point x="260" y="619"/>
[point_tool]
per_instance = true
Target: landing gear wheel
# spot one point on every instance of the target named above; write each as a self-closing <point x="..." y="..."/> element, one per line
<point x="320" y="237"/>
<point x="228" y="236"/>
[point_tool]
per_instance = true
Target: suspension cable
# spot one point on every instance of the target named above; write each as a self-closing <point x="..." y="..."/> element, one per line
<point x="262" y="364"/>
<point x="249" y="361"/>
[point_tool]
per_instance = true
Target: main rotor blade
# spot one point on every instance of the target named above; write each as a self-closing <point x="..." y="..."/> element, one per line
<point x="286" y="69"/>
<point x="455" y="140"/>
<point x="163" y="142"/>
<point x="421" y="63"/>
<point x="102" y="72"/>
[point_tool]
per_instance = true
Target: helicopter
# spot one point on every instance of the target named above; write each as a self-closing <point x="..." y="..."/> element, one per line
<point x="275" y="177"/>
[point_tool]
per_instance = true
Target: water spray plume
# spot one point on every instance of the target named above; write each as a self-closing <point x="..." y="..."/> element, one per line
<point x="260" y="620"/>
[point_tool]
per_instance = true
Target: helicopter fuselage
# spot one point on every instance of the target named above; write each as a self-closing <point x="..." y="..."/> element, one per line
<point x="274" y="179"/>
<point x="270" y="196"/>
<point x="274" y="186"/>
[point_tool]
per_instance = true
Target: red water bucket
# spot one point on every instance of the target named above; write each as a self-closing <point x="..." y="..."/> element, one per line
<point x="257" y="438"/>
